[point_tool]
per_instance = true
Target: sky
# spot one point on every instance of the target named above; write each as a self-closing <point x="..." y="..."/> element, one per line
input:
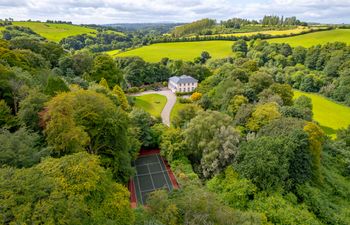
<point x="148" y="11"/>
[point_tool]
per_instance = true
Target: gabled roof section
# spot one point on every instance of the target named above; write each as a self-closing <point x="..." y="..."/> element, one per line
<point x="183" y="79"/>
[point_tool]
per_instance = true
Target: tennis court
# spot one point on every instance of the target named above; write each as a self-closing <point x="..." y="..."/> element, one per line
<point x="152" y="173"/>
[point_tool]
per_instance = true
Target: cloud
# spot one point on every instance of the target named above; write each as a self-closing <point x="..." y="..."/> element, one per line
<point x="113" y="11"/>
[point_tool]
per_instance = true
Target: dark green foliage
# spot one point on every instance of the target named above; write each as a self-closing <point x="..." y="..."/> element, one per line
<point x="105" y="67"/>
<point x="276" y="162"/>
<point x="143" y="123"/>
<point x="185" y="115"/>
<point x="240" y="46"/>
<point x="211" y="142"/>
<point x="30" y="107"/>
<point x="7" y="120"/>
<point x="20" y="149"/>
<point x="55" y="85"/>
<point x="49" y="50"/>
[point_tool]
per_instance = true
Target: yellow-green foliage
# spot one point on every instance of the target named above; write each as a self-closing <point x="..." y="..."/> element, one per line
<point x="181" y="50"/>
<point x="56" y="32"/>
<point x="316" y="138"/>
<point x="121" y="97"/>
<point x="193" y="27"/>
<point x="70" y="190"/>
<point x="196" y="96"/>
<point x="104" y="83"/>
<point x="329" y="114"/>
<point x="321" y="37"/>
<point x="262" y="115"/>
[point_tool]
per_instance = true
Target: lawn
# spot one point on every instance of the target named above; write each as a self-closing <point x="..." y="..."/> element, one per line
<point x="321" y="37"/>
<point x="329" y="114"/>
<point x="56" y="32"/>
<point x="180" y="50"/>
<point x="152" y="103"/>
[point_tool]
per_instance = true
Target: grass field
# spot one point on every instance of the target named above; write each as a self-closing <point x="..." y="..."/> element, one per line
<point x="329" y="114"/>
<point x="271" y="32"/>
<point x="178" y="106"/>
<point x="113" y="52"/>
<point x="321" y="37"/>
<point x="55" y="32"/>
<point x="152" y="103"/>
<point x="180" y="50"/>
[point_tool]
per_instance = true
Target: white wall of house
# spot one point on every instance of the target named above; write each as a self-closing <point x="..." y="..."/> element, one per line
<point x="182" y="87"/>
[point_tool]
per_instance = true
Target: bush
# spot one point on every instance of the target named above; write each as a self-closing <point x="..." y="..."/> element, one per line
<point x="133" y="90"/>
<point x="185" y="100"/>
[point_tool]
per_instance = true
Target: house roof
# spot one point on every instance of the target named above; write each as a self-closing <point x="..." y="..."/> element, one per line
<point x="183" y="79"/>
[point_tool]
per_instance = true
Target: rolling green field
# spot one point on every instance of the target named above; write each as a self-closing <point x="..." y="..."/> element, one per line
<point x="152" y="103"/>
<point x="180" y="50"/>
<point x="271" y="32"/>
<point x="113" y="52"/>
<point x="329" y="114"/>
<point x="321" y="37"/>
<point x="55" y="32"/>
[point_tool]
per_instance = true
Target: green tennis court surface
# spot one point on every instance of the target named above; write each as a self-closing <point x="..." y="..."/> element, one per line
<point x="151" y="174"/>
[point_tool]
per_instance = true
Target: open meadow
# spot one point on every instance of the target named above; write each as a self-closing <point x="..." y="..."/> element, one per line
<point x="56" y="32"/>
<point x="180" y="50"/>
<point x="316" y="38"/>
<point x="331" y="115"/>
<point x="297" y="30"/>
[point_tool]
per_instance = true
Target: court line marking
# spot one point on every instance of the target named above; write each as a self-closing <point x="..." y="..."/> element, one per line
<point x="137" y="176"/>
<point x="159" y="160"/>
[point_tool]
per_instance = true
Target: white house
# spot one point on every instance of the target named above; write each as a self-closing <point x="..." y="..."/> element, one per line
<point x="183" y="83"/>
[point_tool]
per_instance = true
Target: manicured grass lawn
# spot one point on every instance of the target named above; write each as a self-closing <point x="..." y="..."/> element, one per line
<point x="152" y="103"/>
<point x="181" y="50"/>
<point x="178" y="106"/>
<point x="321" y="37"/>
<point x="329" y="114"/>
<point x="56" y="32"/>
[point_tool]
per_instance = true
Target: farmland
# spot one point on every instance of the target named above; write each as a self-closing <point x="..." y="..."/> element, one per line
<point x="321" y="37"/>
<point x="329" y="114"/>
<point x="55" y="32"/>
<point x="270" y="32"/>
<point x="180" y="50"/>
<point x="151" y="103"/>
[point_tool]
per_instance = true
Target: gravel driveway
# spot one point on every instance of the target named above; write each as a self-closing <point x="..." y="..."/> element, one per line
<point x="171" y="100"/>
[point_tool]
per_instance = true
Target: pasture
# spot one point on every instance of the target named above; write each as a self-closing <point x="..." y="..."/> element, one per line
<point x="331" y="115"/>
<point x="180" y="50"/>
<point x="113" y="52"/>
<point x="56" y="32"/>
<point x="297" y="30"/>
<point x="320" y="37"/>
<point x="151" y="103"/>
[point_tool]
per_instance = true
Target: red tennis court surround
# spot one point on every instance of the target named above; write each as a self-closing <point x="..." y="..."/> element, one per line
<point x="152" y="173"/>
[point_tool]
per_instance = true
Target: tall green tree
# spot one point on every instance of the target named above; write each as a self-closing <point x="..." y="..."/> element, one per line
<point x="74" y="189"/>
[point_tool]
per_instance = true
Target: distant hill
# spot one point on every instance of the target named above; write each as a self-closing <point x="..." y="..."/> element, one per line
<point x="161" y="27"/>
<point x="55" y="31"/>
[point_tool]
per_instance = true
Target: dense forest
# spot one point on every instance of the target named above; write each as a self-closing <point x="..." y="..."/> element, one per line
<point x="243" y="150"/>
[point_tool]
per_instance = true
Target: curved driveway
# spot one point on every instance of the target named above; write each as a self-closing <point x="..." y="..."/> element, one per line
<point x="171" y="100"/>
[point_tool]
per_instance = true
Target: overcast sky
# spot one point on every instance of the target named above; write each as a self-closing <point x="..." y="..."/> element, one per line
<point x="136" y="11"/>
